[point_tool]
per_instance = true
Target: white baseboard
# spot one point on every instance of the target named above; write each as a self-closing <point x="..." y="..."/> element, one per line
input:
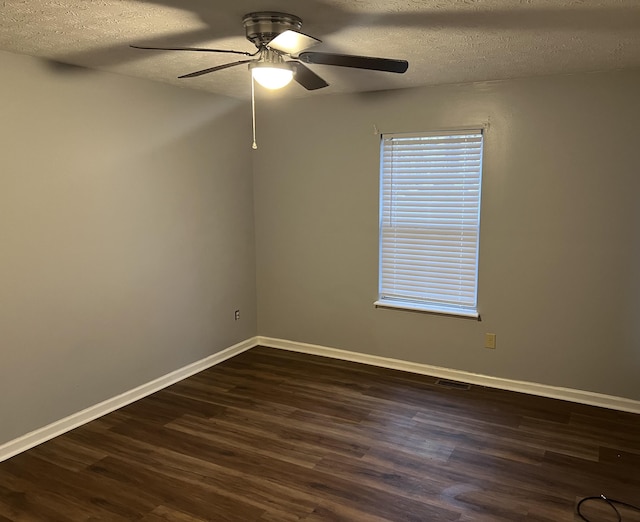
<point x="543" y="390"/>
<point x="61" y="426"/>
<point x="29" y="440"/>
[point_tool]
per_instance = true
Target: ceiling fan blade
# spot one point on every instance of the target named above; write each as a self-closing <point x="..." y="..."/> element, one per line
<point x="359" y="62"/>
<point x="306" y="77"/>
<point x="292" y="42"/>
<point x="193" y="49"/>
<point x="214" y="69"/>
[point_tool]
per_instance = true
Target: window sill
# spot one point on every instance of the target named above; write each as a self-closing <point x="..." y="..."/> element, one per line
<point x="427" y="309"/>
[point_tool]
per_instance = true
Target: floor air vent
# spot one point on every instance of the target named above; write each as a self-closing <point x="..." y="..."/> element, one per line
<point x="453" y="384"/>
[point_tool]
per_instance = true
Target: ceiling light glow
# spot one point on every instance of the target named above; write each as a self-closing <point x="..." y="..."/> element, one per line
<point x="272" y="76"/>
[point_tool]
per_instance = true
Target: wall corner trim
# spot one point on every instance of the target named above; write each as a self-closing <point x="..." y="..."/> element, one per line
<point x="40" y="435"/>
<point x="542" y="390"/>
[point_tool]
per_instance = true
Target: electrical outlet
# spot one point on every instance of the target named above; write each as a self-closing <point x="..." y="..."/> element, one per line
<point x="236" y="315"/>
<point x="490" y="341"/>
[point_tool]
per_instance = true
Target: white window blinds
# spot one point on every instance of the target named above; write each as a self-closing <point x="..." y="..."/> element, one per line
<point x="430" y="221"/>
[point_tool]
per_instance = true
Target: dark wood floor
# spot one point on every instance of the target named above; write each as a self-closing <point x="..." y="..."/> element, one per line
<point x="277" y="436"/>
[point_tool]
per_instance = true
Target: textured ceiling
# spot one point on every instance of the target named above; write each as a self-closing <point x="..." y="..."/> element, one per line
<point x="445" y="41"/>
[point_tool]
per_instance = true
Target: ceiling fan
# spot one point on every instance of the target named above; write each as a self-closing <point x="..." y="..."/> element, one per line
<point x="281" y="53"/>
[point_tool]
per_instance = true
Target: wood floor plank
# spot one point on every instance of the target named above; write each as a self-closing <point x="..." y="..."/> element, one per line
<point x="195" y="499"/>
<point x="277" y="436"/>
<point x="243" y="439"/>
<point x="64" y="453"/>
<point x="164" y="514"/>
<point x="179" y="468"/>
<point x="87" y="490"/>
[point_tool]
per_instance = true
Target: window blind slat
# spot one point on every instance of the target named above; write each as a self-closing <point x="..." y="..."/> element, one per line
<point x="429" y="218"/>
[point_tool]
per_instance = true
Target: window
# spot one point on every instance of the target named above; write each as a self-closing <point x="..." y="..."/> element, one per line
<point x="430" y="221"/>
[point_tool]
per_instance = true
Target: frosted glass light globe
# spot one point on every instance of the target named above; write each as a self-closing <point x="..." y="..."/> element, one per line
<point x="272" y="77"/>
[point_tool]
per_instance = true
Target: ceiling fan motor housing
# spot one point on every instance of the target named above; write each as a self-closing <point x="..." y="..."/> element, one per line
<point x="264" y="26"/>
<point x="282" y="48"/>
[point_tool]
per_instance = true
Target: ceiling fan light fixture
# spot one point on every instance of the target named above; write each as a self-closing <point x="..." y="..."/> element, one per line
<point x="272" y="75"/>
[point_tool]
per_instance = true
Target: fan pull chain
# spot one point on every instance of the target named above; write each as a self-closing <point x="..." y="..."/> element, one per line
<point x="254" y="146"/>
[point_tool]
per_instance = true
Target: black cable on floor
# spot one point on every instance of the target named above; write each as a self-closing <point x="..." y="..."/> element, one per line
<point x="611" y="502"/>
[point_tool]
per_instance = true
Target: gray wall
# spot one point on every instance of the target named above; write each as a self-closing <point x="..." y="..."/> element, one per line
<point x="559" y="266"/>
<point x="127" y="236"/>
<point x="127" y="228"/>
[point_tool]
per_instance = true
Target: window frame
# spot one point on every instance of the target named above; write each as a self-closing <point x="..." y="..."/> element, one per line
<point x="427" y="305"/>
